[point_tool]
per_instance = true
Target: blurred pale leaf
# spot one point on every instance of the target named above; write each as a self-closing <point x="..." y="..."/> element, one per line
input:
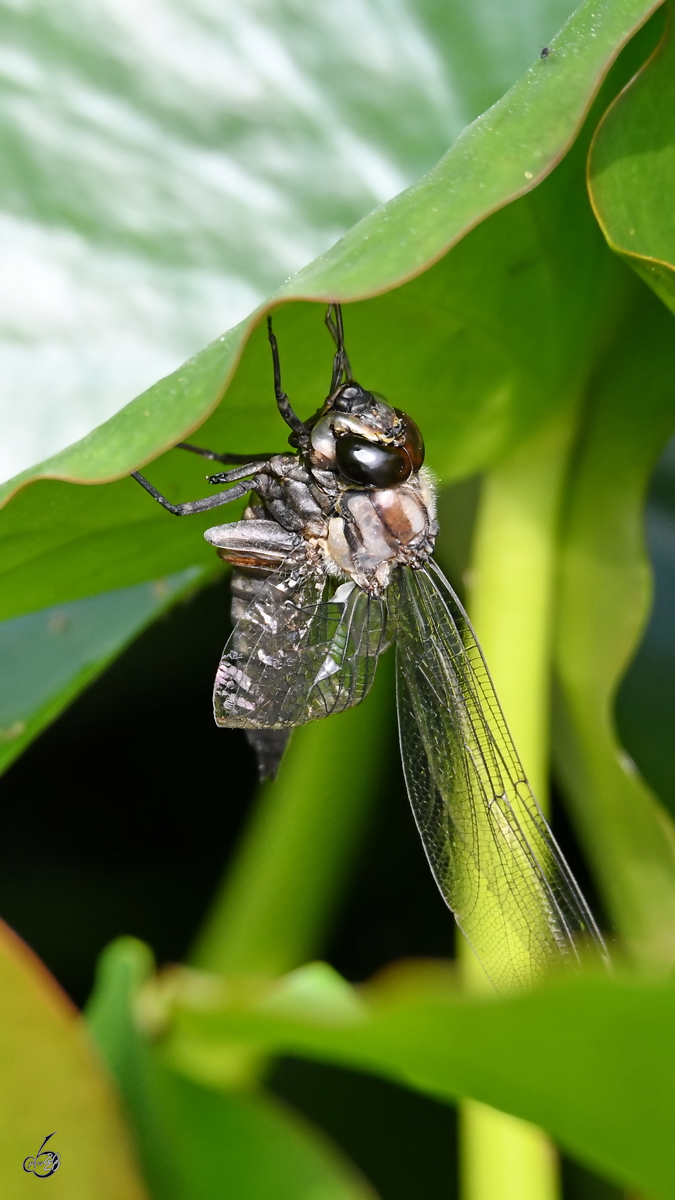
<point x="52" y="1080"/>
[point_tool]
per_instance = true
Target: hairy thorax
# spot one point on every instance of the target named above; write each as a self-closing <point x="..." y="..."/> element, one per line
<point x="355" y="533"/>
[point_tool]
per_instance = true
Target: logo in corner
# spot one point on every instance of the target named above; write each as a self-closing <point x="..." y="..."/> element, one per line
<point x="45" y="1163"/>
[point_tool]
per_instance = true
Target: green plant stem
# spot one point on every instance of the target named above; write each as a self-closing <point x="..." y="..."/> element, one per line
<point x="512" y="590"/>
<point x="279" y="894"/>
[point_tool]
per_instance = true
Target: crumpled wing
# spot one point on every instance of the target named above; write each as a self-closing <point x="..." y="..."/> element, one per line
<point x="491" y="852"/>
<point x="301" y="651"/>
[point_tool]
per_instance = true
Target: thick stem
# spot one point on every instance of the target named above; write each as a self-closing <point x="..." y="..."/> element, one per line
<point x="512" y="594"/>
<point x="279" y="894"/>
<point x="503" y="1158"/>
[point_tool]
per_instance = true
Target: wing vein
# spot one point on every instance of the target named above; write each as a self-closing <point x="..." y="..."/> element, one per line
<point x="493" y="855"/>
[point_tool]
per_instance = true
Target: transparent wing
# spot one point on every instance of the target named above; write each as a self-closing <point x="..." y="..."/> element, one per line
<point x="302" y="650"/>
<point x="492" y="854"/>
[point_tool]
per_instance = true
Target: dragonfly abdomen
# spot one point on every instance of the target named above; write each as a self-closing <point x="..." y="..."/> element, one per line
<point x="254" y="548"/>
<point x="268" y="744"/>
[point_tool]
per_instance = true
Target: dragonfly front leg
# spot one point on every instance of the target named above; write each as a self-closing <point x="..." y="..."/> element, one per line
<point x="250" y="469"/>
<point x="341" y="365"/>
<point x="224" y="458"/>
<point x="300" y="432"/>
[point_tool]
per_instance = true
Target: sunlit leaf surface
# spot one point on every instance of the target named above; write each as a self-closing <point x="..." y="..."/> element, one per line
<point x="165" y="166"/>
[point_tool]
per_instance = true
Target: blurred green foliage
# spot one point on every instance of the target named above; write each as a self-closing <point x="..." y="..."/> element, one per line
<point x="415" y="1025"/>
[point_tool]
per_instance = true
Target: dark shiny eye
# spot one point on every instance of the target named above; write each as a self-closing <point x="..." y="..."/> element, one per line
<point x="414" y="442"/>
<point x="371" y="465"/>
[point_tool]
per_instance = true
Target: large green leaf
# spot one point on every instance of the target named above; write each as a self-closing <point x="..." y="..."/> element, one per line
<point x="645" y="702"/>
<point x="517" y="300"/>
<point x="52" y="1080"/>
<point x="605" y="590"/>
<point x="162" y="175"/>
<point x="631" y="172"/>
<point x="602" y="1084"/>
<point x="48" y="657"/>
<point x="197" y="1144"/>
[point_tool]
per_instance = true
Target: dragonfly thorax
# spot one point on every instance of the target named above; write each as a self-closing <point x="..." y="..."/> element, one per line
<point x="373" y="531"/>
<point x="349" y="532"/>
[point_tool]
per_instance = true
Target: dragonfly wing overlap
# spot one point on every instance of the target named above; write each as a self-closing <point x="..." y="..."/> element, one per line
<point x="355" y="502"/>
<point x="302" y="650"/>
<point x="492" y="854"/>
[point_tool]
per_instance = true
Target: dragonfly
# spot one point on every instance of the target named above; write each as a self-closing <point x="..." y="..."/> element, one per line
<point x="332" y="562"/>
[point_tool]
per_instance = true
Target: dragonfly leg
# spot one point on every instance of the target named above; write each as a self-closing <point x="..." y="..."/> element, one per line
<point x="194" y="506"/>
<point x="224" y="458"/>
<point x="341" y="361"/>
<point x="283" y="403"/>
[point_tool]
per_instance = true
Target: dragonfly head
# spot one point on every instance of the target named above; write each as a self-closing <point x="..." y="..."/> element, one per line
<point x="352" y="398"/>
<point x="365" y="439"/>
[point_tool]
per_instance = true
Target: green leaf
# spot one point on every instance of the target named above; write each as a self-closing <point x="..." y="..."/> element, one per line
<point x="631" y="172"/>
<point x="645" y="701"/>
<point x="252" y="1146"/>
<point x="158" y="181"/>
<point x="503" y="154"/>
<point x="48" y="657"/>
<point x="83" y="543"/>
<point x="196" y="1144"/>
<point x="485" y="321"/>
<point x="52" y="1080"/>
<point x="605" y="591"/>
<point x="602" y="1084"/>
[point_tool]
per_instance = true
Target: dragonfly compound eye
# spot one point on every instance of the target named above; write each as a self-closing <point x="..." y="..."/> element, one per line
<point x="414" y="442"/>
<point x="370" y="464"/>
